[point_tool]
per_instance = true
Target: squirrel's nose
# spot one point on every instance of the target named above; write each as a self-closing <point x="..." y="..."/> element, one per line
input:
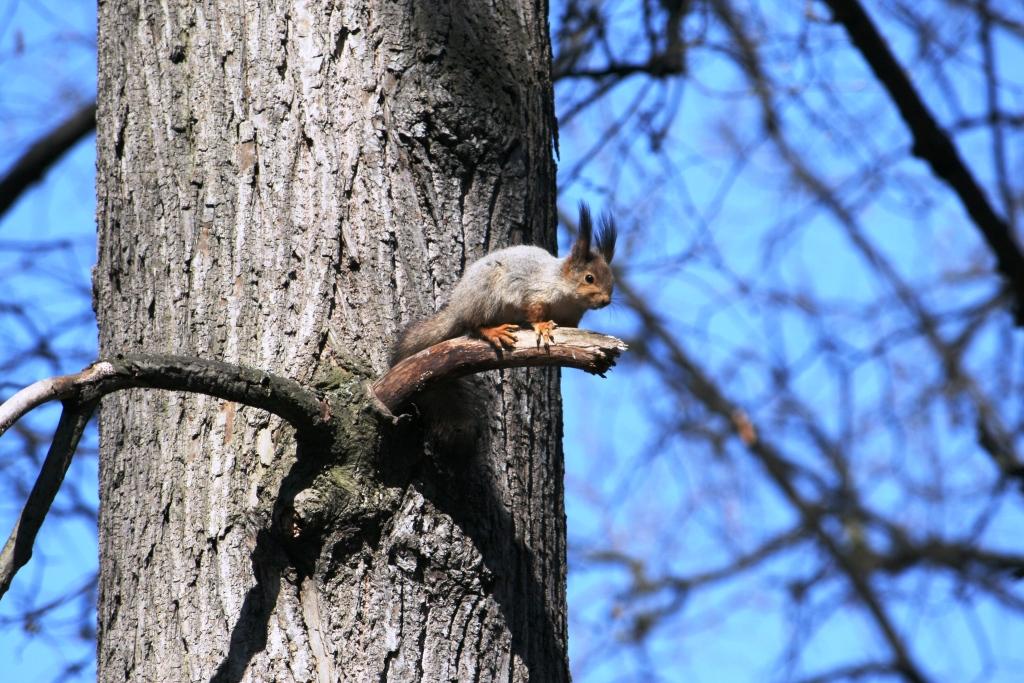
<point x="603" y="301"/>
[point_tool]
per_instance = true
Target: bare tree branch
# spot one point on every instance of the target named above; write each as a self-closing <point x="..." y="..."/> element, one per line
<point x="933" y="145"/>
<point x="958" y="557"/>
<point x="18" y="549"/>
<point x="643" y="583"/>
<point x="588" y="351"/>
<point x="304" y="409"/>
<point x="44" y="153"/>
<point x="781" y="472"/>
<point x="82" y="391"/>
<point x="658" y="66"/>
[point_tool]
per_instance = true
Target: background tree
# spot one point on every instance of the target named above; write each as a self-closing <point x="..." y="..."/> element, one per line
<point x="836" y="430"/>
<point x="817" y="450"/>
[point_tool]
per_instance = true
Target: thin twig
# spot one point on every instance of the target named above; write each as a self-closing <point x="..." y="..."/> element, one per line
<point x="18" y="549"/>
<point x="781" y="471"/>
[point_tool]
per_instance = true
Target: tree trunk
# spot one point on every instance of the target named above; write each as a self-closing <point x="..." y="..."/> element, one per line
<point x="282" y="186"/>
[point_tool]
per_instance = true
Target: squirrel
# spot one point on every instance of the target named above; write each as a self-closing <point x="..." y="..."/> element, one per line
<point x="522" y="284"/>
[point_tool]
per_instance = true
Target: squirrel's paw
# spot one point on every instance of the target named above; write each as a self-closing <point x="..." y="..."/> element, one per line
<point x="544" y="332"/>
<point x="499" y="336"/>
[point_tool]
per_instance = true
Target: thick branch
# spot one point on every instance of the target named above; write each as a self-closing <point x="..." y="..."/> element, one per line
<point x="44" y="153"/>
<point x="302" y="408"/>
<point x="80" y="393"/>
<point x="932" y="144"/>
<point x="588" y="351"/>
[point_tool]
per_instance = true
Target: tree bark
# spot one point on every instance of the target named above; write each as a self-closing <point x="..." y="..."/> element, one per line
<point x="277" y="182"/>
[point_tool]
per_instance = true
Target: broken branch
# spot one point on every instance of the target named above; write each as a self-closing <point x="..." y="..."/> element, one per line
<point x="588" y="351"/>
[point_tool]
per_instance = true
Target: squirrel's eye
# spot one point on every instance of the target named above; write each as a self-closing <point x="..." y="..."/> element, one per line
<point x="589" y="278"/>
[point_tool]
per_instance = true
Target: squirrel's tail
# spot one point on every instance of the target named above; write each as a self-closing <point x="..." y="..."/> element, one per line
<point x="450" y="409"/>
<point x="420" y="334"/>
<point x="453" y="415"/>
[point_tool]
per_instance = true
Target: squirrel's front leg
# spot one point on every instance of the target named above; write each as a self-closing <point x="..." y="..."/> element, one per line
<point x="536" y="315"/>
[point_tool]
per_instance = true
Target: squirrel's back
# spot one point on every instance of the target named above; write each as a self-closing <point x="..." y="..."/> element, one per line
<point x="522" y="284"/>
<point x="495" y="288"/>
<point x="421" y="334"/>
<point x="490" y="292"/>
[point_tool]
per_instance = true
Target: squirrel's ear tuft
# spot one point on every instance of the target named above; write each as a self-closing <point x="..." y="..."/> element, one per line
<point x="581" y="247"/>
<point x="606" y="237"/>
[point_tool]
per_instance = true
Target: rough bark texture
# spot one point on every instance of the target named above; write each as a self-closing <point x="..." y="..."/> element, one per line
<point x="269" y="176"/>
